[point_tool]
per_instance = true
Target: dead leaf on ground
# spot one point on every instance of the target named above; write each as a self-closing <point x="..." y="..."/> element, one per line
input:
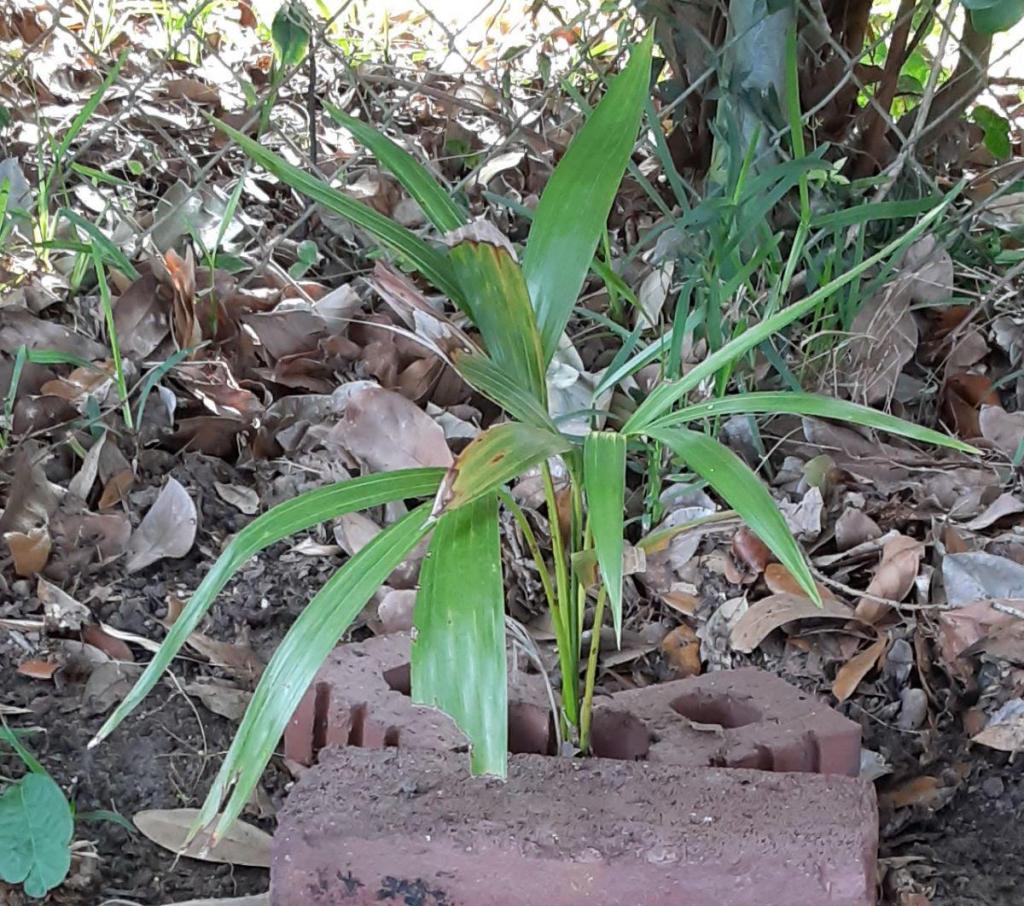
<point x="237" y="659"/>
<point x="852" y="673"/>
<point x="1004" y="505"/>
<point x="894" y="578"/>
<point x="681" y="648"/>
<point x="775" y="611"/>
<point x="387" y="432"/>
<point x="243" y="844"/>
<point x="223" y="699"/>
<point x="884" y="339"/>
<point x="30" y="550"/>
<point x="62" y="612"/>
<point x="925" y="791"/>
<point x="167" y="530"/>
<point x="36" y="669"/>
<point x="116" y="489"/>
<point x="112" y="647"/>
<point x="243" y="499"/>
<point x="1005" y="729"/>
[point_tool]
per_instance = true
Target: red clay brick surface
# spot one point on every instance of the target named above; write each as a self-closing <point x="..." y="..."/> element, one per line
<point x="745" y="718"/>
<point x="736" y="718"/>
<point x="409" y="827"/>
<point x="360" y="697"/>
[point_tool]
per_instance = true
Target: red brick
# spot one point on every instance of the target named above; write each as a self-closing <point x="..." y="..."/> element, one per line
<point x="360" y="697"/>
<point x="744" y="718"/>
<point x="410" y="826"/>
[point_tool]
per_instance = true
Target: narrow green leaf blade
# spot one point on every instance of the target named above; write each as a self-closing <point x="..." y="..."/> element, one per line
<point x="294" y="665"/>
<point x="499" y="305"/>
<point x="413" y="250"/>
<point x="458" y="651"/>
<point x="499" y="454"/>
<point x="437" y="204"/>
<point x="663" y="397"/>
<point x="813" y="404"/>
<point x="744" y="492"/>
<point x="604" y="480"/>
<point x="483" y="374"/>
<point x="285" y="519"/>
<point x="573" y="209"/>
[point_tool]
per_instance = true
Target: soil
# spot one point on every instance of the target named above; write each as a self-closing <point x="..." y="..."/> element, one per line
<point x="963" y="848"/>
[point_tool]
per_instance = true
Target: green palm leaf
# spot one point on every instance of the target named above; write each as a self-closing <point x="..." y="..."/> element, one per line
<point x="573" y="210"/>
<point x="604" y="479"/>
<point x="458" y="652"/>
<point x="296" y="515"/>
<point x="294" y="665"/>
<point x="744" y="492"/>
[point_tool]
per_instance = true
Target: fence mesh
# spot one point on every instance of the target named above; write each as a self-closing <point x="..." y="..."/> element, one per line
<point x="105" y="108"/>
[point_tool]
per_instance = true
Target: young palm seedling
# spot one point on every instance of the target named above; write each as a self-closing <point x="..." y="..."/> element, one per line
<point x="520" y="311"/>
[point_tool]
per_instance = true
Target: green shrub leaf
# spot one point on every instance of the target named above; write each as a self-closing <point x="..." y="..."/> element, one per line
<point x="36" y="827"/>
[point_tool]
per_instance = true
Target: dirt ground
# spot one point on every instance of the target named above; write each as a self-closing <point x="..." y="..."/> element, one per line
<point x="961" y="836"/>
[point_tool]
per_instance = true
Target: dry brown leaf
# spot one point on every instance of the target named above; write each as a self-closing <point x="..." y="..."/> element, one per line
<point x="112" y="647"/>
<point x="1005" y="729"/>
<point x="780" y="581"/>
<point x="30" y="550"/>
<point x="237" y="659"/>
<point x="1004" y="505"/>
<point x="62" y="612"/>
<point x="894" y="578"/>
<point x="221" y="698"/>
<point x="854" y="670"/>
<point x="386" y="432"/>
<point x="142" y="317"/>
<point x="751" y="550"/>
<point x="681" y="648"/>
<point x="36" y="669"/>
<point x="682" y="601"/>
<point x="243" y="844"/>
<point x="167" y="530"/>
<point x="115" y="490"/>
<point x="107" y="685"/>
<point x="773" y="612"/>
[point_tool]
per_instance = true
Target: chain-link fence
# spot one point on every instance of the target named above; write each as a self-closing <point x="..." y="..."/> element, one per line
<point x="107" y="109"/>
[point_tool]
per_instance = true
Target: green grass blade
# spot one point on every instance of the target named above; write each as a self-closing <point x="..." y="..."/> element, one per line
<point x="498" y="455"/>
<point x="437" y="204"/>
<point x="782" y="402"/>
<point x="458" y="650"/>
<point x="499" y="305"/>
<point x="294" y="665"/>
<point x="744" y="492"/>
<point x="483" y="374"/>
<point x="109" y="252"/>
<point x="82" y="117"/>
<point x="410" y="248"/>
<point x="882" y="210"/>
<point x="663" y="397"/>
<point x="604" y="480"/>
<point x="285" y="519"/>
<point x="573" y="209"/>
<point x="154" y="377"/>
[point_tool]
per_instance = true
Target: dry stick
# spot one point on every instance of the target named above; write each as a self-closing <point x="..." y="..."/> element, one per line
<point x="892" y="602"/>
